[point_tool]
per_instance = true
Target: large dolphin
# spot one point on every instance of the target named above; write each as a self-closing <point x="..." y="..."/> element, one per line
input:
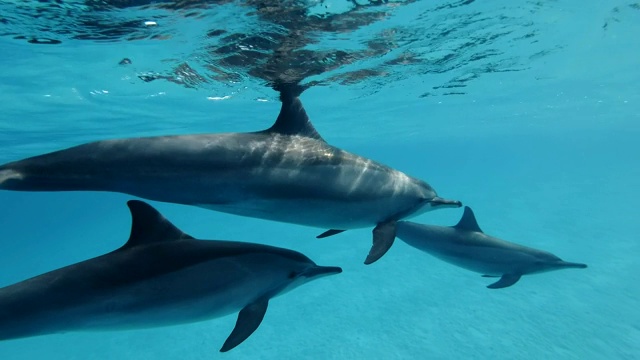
<point x="161" y="276"/>
<point x="465" y="245"/>
<point x="286" y="173"/>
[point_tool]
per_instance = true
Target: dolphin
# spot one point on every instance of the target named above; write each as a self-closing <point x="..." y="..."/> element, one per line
<point x="466" y="246"/>
<point x="286" y="173"/>
<point x="160" y="277"/>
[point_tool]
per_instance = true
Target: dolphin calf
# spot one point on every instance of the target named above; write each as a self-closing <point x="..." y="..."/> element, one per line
<point x="286" y="173"/>
<point x="465" y="245"/>
<point x="161" y="276"/>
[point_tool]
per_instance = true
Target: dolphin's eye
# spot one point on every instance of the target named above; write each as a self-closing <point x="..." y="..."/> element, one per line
<point x="293" y="275"/>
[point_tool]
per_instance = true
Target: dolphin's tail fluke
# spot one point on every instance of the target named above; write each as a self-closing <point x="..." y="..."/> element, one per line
<point x="9" y="179"/>
<point x="63" y="170"/>
<point x="19" y="180"/>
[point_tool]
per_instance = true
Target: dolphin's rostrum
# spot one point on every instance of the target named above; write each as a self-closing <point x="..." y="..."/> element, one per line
<point x="161" y="276"/>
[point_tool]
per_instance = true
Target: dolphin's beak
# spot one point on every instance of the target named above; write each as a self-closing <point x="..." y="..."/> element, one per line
<point x="317" y="271"/>
<point x="438" y="202"/>
<point x="571" y="265"/>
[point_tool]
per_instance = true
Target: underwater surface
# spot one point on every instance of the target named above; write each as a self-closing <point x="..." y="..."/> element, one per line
<point x="528" y="112"/>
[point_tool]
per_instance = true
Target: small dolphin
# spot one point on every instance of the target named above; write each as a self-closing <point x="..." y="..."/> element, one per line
<point x="465" y="245"/>
<point x="160" y="277"/>
<point x="286" y="173"/>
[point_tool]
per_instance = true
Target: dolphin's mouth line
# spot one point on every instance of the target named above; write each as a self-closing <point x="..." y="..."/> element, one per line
<point x="321" y="271"/>
<point x="440" y="202"/>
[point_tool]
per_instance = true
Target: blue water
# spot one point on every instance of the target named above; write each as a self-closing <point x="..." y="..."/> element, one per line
<point x="540" y="138"/>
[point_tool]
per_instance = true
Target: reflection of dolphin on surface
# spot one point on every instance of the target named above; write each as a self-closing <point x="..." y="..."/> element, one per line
<point x="465" y="245"/>
<point x="286" y="173"/>
<point x="161" y="276"/>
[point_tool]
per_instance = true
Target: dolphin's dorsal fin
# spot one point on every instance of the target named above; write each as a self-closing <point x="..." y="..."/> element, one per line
<point x="293" y="120"/>
<point x="149" y="226"/>
<point x="468" y="221"/>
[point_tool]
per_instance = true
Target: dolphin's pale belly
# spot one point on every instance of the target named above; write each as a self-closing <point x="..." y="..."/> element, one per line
<point x="196" y="293"/>
<point x="312" y="212"/>
<point x="342" y="197"/>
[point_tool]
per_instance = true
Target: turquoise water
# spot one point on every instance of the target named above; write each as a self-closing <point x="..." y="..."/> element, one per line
<point x="540" y="138"/>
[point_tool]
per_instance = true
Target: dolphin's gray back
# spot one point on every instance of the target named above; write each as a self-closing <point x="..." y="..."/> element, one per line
<point x="111" y="164"/>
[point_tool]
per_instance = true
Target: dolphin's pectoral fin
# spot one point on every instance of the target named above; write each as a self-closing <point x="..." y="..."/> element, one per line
<point x="505" y="281"/>
<point x="383" y="236"/>
<point x="328" y="233"/>
<point x="248" y="321"/>
<point x="491" y="276"/>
